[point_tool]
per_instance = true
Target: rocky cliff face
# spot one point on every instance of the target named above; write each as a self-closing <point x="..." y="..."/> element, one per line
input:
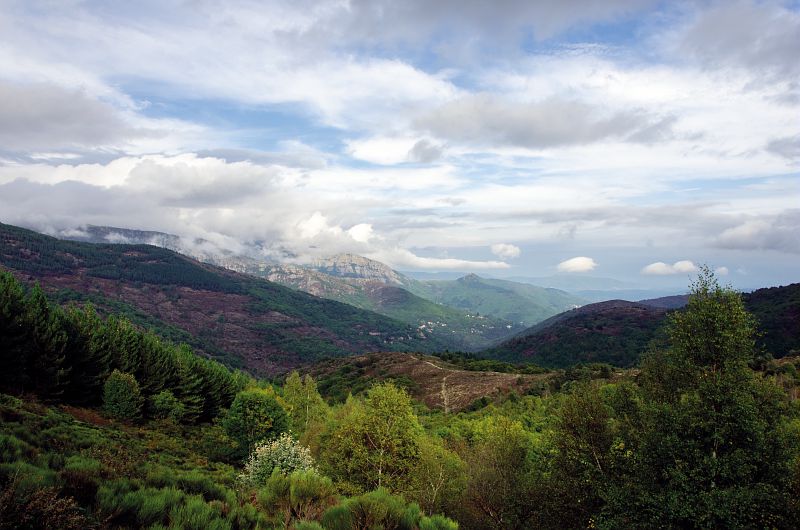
<point x="308" y="280"/>
<point x="353" y="266"/>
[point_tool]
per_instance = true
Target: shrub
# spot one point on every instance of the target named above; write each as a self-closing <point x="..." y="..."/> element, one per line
<point x="303" y="495"/>
<point x="284" y="454"/>
<point x="13" y="449"/>
<point x="40" y="508"/>
<point x="81" y="478"/>
<point x="166" y="406"/>
<point x="196" y="514"/>
<point x="122" y="398"/>
<point x="376" y="509"/>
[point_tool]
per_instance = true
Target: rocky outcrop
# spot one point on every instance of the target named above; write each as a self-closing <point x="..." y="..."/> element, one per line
<point x="353" y="266"/>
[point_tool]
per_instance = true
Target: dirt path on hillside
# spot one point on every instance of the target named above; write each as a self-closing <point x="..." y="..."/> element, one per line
<point x="445" y="398"/>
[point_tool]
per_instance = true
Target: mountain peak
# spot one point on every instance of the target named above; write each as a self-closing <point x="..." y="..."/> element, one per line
<point x="355" y="266"/>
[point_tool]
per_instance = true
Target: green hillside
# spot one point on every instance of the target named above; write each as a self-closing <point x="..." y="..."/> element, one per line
<point x="520" y="303"/>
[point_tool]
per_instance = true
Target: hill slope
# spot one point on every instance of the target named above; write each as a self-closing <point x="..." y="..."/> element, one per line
<point x="257" y="324"/>
<point x="618" y="332"/>
<point x="520" y="303"/>
<point x="430" y="380"/>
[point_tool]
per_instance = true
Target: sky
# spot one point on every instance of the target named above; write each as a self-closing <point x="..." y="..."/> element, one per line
<point x="630" y="139"/>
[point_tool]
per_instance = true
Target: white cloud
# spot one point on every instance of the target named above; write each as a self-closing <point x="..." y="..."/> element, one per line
<point x="721" y="271"/>
<point x="578" y="264"/>
<point x="361" y="232"/>
<point x="485" y="120"/>
<point x="660" y="268"/>
<point x="505" y="250"/>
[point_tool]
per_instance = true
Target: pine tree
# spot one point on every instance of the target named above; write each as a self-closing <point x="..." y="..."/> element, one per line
<point x="14" y="337"/>
<point x="88" y="355"/>
<point x="46" y="366"/>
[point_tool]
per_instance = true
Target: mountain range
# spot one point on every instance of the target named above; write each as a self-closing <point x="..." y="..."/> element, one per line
<point x="470" y="313"/>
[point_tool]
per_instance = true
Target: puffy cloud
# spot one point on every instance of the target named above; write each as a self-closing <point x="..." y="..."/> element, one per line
<point x="578" y="264"/>
<point x="721" y="271"/>
<point x="361" y="232"/>
<point x="505" y="250"/>
<point x="659" y="268"/>
<point x="485" y="120"/>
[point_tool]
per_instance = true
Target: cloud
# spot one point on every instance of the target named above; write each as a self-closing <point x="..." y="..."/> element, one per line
<point x="403" y="258"/>
<point x="40" y="117"/>
<point x="425" y="152"/>
<point x="486" y="120"/>
<point x="505" y="250"/>
<point x="760" y="36"/>
<point x="781" y="233"/>
<point x="660" y="268"/>
<point x="578" y="264"/>
<point x="721" y="271"/>
<point x="788" y="147"/>
<point x="412" y="22"/>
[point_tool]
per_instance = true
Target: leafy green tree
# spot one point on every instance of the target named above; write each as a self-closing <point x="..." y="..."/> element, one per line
<point x="713" y="449"/>
<point x="303" y="401"/>
<point x="439" y="479"/>
<point x="254" y="416"/>
<point x="375" y="443"/>
<point x="166" y="406"/>
<point x="121" y="396"/>
<point x="502" y="490"/>
<point x="584" y="460"/>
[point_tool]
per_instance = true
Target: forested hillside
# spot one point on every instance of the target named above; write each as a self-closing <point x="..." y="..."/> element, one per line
<point x="241" y="320"/>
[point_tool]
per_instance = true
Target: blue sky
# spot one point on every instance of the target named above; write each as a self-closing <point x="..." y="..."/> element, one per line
<point x="506" y="138"/>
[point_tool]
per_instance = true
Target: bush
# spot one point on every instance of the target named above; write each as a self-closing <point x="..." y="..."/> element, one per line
<point x="122" y="398"/>
<point x="166" y="406"/>
<point x="40" y="508"/>
<point x="376" y="509"/>
<point x="13" y="449"/>
<point x="81" y="477"/>
<point x="284" y="454"/>
<point x="301" y="496"/>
